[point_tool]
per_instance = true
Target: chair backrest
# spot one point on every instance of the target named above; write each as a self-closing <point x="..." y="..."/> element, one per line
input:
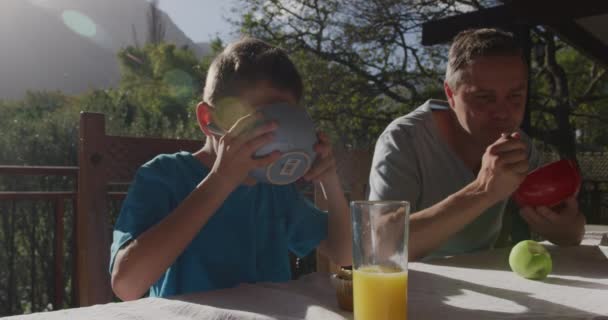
<point x="105" y="160"/>
<point x="353" y="169"/>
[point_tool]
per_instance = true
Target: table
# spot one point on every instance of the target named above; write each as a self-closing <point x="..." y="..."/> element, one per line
<point x="481" y="286"/>
<point x="311" y="297"/>
<point x="475" y="286"/>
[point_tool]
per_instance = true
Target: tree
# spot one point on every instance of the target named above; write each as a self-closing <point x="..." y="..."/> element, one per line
<point x="164" y="82"/>
<point x="568" y="97"/>
<point x="361" y="59"/>
<point x="374" y="47"/>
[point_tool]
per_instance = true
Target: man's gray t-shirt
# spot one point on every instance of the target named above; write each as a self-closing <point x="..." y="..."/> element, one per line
<point x="412" y="162"/>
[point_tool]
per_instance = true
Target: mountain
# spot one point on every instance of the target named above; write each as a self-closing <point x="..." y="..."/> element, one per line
<point x="202" y="48"/>
<point x="71" y="45"/>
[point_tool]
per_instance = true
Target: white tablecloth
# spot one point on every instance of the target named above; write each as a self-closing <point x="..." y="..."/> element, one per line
<point x="311" y="297"/>
<point x="481" y="286"/>
<point x="476" y="286"/>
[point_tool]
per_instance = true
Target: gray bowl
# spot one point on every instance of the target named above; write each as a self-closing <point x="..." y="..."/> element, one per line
<point x="295" y="138"/>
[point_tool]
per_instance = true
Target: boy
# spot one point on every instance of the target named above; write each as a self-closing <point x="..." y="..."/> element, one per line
<point x="195" y="222"/>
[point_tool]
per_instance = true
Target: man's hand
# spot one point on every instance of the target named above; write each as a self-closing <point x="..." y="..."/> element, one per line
<point x="563" y="225"/>
<point x="389" y="230"/>
<point x="236" y="148"/>
<point x="504" y="166"/>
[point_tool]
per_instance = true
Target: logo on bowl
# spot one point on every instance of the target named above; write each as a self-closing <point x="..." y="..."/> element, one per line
<point x="295" y="138"/>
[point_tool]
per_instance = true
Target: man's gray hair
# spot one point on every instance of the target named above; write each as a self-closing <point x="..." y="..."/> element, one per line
<point x="473" y="43"/>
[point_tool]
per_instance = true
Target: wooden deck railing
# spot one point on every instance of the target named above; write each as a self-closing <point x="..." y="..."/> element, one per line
<point x="58" y="199"/>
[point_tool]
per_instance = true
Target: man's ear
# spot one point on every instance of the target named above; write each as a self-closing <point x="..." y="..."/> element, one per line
<point x="204" y="117"/>
<point x="449" y="93"/>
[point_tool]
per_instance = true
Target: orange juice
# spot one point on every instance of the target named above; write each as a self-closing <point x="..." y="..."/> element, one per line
<point x="380" y="293"/>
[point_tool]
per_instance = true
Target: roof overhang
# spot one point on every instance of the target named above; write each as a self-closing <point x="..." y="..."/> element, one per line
<point x="583" y="24"/>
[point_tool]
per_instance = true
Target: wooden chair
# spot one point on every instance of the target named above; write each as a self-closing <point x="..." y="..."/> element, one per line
<point x="109" y="160"/>
<point x="105" y="160"/>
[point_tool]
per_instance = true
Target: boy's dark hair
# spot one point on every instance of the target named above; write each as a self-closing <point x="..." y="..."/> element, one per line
<point x="244" y="64"/>
<point x="472" y="43"/>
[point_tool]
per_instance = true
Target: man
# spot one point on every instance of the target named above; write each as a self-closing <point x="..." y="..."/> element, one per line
<point x="458" y="162"/>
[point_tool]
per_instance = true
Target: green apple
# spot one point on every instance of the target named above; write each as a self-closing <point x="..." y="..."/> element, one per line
<point x="530" y="260"/>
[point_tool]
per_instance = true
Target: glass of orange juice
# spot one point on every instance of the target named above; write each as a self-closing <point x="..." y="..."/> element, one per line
<point x="380" y="234"/>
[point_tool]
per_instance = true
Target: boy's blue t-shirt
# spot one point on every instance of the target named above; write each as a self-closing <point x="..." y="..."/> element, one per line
<point x="246" y="240"/>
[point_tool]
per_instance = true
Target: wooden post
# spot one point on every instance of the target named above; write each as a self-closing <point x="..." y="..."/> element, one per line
<point x="92" y="255"/>
<point x="523" y="35"/>
<point x="519" y="228"/>
<point x="59" y="285"/>
<point x="74" y="302"/>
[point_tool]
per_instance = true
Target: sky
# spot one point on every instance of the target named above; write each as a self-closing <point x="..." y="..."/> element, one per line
<point x="200" y="20"/>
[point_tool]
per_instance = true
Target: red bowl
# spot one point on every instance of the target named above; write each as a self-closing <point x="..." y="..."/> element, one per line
<point x="549" y="185"/>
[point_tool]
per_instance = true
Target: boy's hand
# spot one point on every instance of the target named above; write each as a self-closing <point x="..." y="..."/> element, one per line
<point x="235" y="150"/>
<point x="325" y="164"/>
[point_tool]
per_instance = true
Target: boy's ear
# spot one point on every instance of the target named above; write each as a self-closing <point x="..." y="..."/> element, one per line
<point x="204" y="117"/>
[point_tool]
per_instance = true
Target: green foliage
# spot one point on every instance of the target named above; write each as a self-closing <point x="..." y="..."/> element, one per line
<point x="217" y="46"/>
<point x="574" y="85"/>
<point x="339" y="103"/>
<point x="39" y="130"/>
<point x="160" y="86"/>
<point x="589" y="94"/>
